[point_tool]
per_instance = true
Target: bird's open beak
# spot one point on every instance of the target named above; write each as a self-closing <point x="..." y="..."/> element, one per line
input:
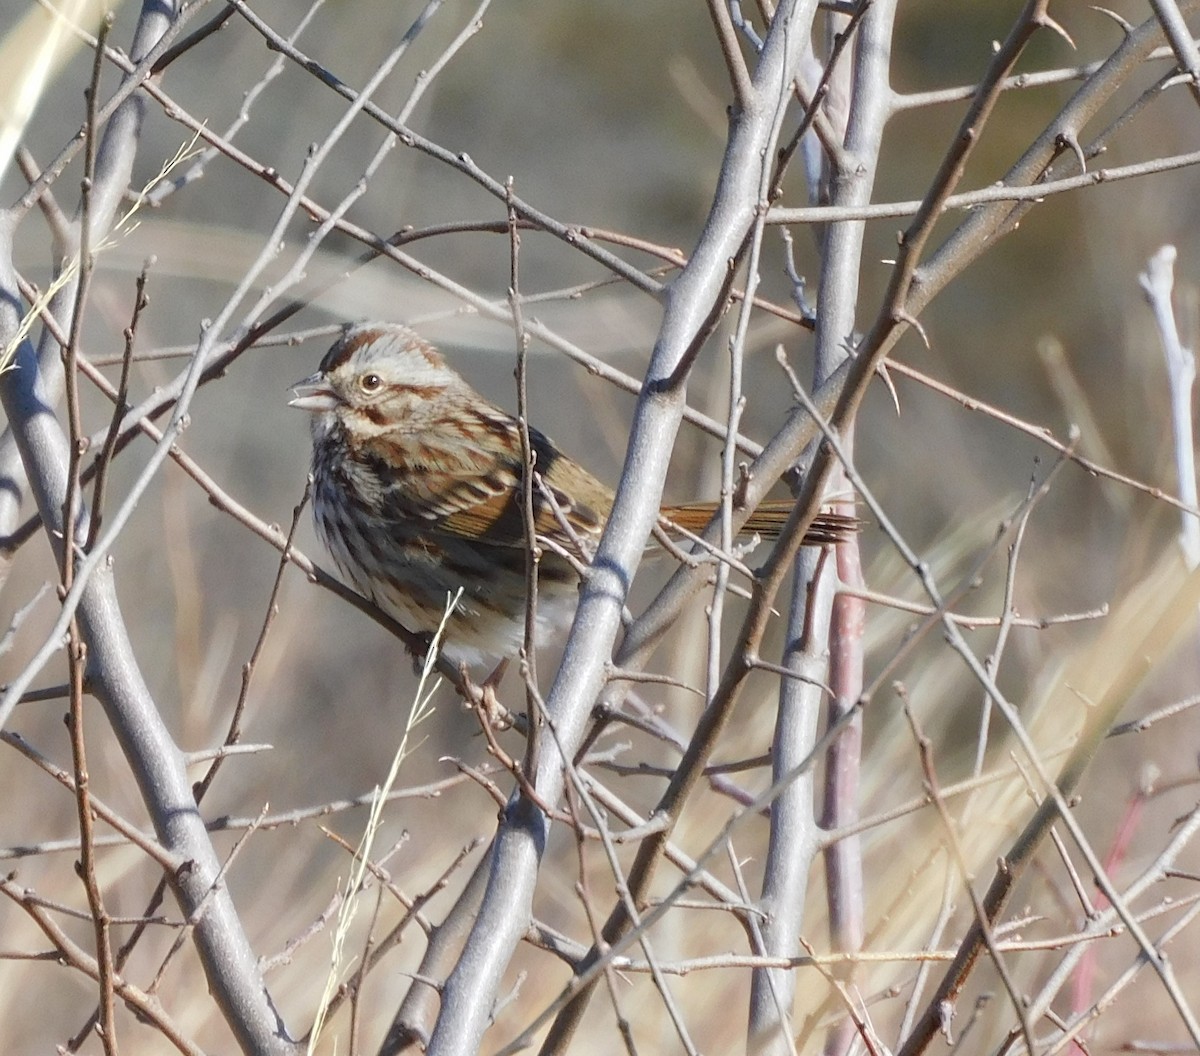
<point x="314" y="394"/>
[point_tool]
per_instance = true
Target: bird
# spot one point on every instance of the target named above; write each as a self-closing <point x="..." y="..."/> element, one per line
<point x="417" y="490"/>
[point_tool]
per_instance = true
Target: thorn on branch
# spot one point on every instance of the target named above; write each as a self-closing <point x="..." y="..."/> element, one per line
<point x="1044" y="21"/>
<point x="1126" y="26"/>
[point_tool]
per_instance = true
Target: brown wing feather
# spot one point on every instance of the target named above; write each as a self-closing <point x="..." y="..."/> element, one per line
<point x="486" y="502"/>
<point x="768" y="521"/>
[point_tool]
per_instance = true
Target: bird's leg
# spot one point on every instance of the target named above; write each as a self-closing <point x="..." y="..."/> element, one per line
<point x="483" y="697"/>
<point x="497" y="714"/>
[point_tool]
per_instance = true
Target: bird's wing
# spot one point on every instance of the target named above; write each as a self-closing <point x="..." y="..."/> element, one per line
<point x="474" y="492"/>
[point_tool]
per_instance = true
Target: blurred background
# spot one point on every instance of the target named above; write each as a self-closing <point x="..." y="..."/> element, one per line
<point x="609" y="115"/>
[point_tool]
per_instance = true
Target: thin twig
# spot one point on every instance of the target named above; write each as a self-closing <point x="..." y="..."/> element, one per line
<point x="76" y="646"/>
<point x="148" y="1008"/>
<point x="120" y="406"/>
<point x="983" y="920"/>
<point x="529" y="470"/>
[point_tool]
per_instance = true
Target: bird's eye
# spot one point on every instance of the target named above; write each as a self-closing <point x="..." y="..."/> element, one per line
<point x="370" y="383"/>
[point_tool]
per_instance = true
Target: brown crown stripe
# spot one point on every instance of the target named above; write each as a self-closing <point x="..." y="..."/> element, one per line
<point x="345" y="348"/>
<point x="341" y="352"/>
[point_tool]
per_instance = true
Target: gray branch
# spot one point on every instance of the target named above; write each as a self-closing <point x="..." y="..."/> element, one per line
<point x="689" y="304"/>
<point x="29" y="394"/>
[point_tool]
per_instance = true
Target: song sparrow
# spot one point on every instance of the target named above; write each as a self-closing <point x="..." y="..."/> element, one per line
<point x="417" y="492"/>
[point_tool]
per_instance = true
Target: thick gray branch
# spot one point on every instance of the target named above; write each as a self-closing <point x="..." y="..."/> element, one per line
<point x="116" y="680"/>
<point x="689" y="304"/>
<point x="30" y="393"/>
